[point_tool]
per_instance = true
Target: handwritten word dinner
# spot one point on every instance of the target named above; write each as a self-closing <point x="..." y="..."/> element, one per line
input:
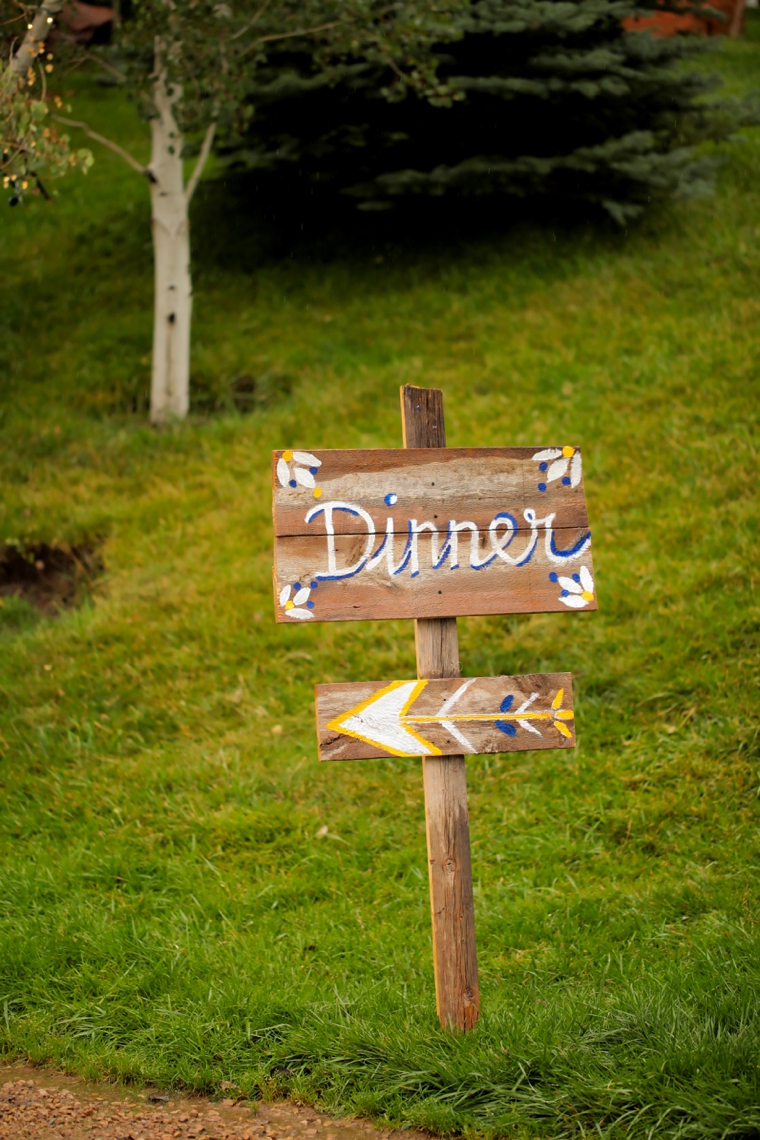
<point x="443" y="548"/>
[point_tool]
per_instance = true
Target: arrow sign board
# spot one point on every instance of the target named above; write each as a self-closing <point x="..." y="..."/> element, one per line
<point x="430" y="532"/>
<point x="441" y="717"/>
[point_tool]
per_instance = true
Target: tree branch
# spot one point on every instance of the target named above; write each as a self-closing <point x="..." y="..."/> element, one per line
<point x="248" y="26"/>
<point x="111" y="145"/>
<point x="202" y="157"/>
<point x="36" y="34"/>
<point x="298" y="32"/>
<point x="108" y="67"/>
<point x="290" y="35"/>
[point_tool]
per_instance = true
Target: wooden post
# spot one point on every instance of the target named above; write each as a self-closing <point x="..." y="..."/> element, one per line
<point x="447" y="822"/>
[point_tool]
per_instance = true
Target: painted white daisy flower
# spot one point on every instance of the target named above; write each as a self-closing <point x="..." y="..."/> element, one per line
<point x="556" y="462"/>
<point x="577" y="591"/>
<point x="300" y="604"/>
<point x="305" y="467"/>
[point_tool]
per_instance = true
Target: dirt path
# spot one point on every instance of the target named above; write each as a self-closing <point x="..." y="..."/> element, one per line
<point x="37" y="1105"/>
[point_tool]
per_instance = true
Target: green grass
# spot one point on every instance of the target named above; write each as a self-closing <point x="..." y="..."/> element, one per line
<point x="168" y="910"/>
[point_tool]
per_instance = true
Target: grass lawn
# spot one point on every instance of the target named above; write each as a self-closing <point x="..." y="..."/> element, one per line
<point x="170" y="907"/>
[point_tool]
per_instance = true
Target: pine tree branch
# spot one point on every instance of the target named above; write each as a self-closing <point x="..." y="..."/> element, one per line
<point x="202" y="157"/>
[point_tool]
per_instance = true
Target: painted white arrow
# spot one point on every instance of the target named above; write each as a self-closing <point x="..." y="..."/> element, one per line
<point x="377" y="721"/>
<point x="383" y="719"/>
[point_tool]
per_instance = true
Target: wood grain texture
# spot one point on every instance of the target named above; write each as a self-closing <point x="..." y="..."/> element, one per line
<point x="372" y="719"/>
<point x="447" y="826"/>
<point x="422" y="419"/>
<point x="473" y="483"/>
<point x="418" y="590"/>
<point x="455" y="956"/>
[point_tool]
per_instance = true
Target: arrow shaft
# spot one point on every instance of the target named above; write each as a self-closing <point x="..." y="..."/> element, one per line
<point x="554" y="714"/>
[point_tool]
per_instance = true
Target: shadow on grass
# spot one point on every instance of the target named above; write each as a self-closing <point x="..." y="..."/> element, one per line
<point x="245" y="220"/>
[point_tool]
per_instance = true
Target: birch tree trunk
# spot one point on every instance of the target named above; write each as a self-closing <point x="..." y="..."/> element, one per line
<point x="35" y="37"/>
<point x="170" y="380"/>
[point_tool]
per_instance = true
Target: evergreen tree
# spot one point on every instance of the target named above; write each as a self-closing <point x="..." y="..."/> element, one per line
<point x="530" y="97"/>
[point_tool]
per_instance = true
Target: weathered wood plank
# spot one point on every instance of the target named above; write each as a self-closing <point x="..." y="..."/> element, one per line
<point x="426" y="484"/>
<point x="427" y="575"/>
<point x="455" y="959"/>
<point x="473" y="715"/>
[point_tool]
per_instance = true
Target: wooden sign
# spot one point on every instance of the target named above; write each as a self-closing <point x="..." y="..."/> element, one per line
<point x="434" y="718"/>
<point x="423" y="532"/>
<point x="432" y="533"/>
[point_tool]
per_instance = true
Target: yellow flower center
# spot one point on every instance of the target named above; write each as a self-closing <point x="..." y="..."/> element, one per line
<point x="317" y="492"/>
<point x="587" y="596"/>
<point x="287" y="456"/>
<point x="568" y="452"/>
<point x="289" y="606"/>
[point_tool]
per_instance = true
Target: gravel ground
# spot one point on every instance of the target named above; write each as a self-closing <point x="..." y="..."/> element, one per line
<point x="35" y="1105"/>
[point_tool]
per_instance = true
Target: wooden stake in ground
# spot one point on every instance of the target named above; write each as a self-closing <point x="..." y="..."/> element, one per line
<point x="455" y="959"/>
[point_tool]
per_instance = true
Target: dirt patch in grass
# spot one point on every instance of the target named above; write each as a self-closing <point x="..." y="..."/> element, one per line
<point x="37" y="1105"/>
<point x="50" y="578"/>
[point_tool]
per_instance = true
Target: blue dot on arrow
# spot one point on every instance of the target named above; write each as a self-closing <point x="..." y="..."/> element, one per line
<point x="507" y="729"/>
<point x="391" y="499"/>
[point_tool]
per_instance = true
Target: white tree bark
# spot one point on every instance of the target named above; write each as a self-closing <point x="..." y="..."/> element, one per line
<point x="170" y="200"/>
<point x="35" y="37"/>
<point x="170" y="380"/>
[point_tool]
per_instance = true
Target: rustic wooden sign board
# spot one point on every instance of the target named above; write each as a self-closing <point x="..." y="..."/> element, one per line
<point x="434" y="718"/>
<point x="432" y="533"/>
